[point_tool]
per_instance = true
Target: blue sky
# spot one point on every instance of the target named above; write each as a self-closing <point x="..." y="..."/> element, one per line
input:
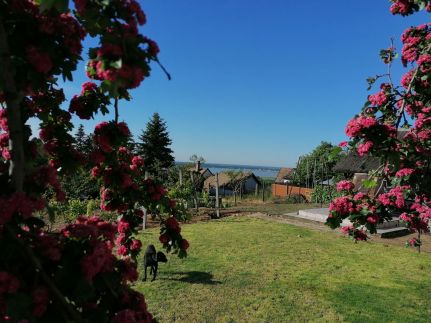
<point x="259" y="82"/>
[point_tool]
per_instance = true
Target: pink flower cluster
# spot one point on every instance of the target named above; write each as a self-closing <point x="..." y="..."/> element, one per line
<point x="364" y="148"/>
<point x="136" y="309"/>
<point x="404" y="172"/>
<point x="395" y="197"/>
<point x="345" y="186"/>
<point x="356" y="234"/>
<point x="402" y="7"/>
<point x="355" y="126"/>
<point x="343" y="206"/>
<point x="19" y="204"/>
<point x="89" y="102"/>
<point x="379" y="98"/>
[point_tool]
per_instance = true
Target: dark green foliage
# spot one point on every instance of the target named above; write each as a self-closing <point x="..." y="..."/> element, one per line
<point x="153" y="145"/>
<point x="324" y="194"/>
<point x="80" y="185"/>
<point x="83" y="142"/>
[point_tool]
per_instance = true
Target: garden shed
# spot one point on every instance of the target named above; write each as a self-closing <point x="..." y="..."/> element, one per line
<point x="226" y="184"/>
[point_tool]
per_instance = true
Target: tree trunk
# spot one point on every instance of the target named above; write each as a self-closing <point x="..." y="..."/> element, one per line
<point x="14" y="118"/>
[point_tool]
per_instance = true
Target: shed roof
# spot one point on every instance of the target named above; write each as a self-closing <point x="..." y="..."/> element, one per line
<point x="353" y="163"/>
<point x="225" y="180"/>
<point x="283" y="173"/>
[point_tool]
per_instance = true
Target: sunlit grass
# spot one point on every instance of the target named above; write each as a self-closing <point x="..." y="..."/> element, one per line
<point x="249" y="270"/>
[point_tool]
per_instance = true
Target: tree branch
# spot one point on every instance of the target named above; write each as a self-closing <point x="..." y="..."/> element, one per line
<point x="13" y="104"/>
<point x="403" y="106"/>
<point x="73" y="314"/>
<point x="116" y="110"/>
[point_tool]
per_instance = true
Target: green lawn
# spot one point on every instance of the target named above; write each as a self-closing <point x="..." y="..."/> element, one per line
<point x="250" y="270"/>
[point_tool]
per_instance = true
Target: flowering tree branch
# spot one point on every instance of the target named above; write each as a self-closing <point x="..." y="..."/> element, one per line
<point x="13" y="101"/>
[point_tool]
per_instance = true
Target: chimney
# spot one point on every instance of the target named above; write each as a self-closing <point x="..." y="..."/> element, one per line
<point x="198" y="166"/>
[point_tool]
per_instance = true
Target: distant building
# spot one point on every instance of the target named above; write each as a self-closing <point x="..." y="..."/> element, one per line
<point x="226" y="186"/>
<point x="284" y="175"/>
<point x="204" y="172"/>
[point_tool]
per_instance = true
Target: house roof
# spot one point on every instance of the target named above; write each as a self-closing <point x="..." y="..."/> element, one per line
<point x="225" y="180"/>
<point x="283" y="173"/>
<point x="201" y="171"/>
<point x="204" y="170"/>
<point x="353" y="163"/>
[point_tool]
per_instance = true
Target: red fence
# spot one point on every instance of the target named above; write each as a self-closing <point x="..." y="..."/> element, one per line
<point x="288" y="190"/>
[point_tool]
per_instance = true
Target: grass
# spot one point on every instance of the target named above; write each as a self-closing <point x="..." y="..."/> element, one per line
<point x="249" y="270"/>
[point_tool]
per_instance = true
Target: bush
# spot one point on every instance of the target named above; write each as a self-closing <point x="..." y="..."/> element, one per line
<point x="324" y="194"/>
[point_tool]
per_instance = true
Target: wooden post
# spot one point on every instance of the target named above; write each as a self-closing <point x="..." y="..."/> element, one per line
<point x="263" y="190"/>
<point x="194" y="188"/>
<point x="144" y="219"/>
<point x="180" y="175"/>
<point x="256" y="190"/>
<point x="217" y="204"/>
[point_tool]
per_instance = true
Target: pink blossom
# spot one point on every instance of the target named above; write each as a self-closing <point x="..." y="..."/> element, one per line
<point x="404" y="172"/>
<point x="9" y="284"/>
<point x="88" y="87"/>
<point x="345" y="186"/>
<point x="100" y="259"/>
<point x="41" y="62"/>
<point x="342" y="205"/>
<point x="364" y="148"/>
<point x="40" y="300"/>
<point x="136" y="245"/>
<point x="123" y="226"/>
<point x="378" y="99"/>
<point x="356" y="125"/>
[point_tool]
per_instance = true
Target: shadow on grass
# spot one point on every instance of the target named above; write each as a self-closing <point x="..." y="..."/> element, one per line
<point x="195" y="277"/>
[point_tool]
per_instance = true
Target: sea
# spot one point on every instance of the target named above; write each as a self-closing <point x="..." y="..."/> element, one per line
<point x="260" y="171"/>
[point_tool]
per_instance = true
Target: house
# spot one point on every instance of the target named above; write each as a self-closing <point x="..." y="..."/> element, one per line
<point x="358" y="167"/>
<point x="353" y="163"/>
<point x="245" y="182"/>
<point x="203" y="172"/>
<point x="284" y="175"/>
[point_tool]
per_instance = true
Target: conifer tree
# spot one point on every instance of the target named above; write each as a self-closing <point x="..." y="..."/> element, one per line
<point x="153" y="144"/>
<point x="83" y="142"/>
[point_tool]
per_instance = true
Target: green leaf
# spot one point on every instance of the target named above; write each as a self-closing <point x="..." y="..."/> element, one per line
<point x="59" y="5"/>
<point x="18" y="306"/>
<point x="369" y="183"/>
<point x="117" y="64"/>
<point x="334" y="153"/>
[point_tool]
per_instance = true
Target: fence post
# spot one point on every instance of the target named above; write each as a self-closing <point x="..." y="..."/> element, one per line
<point x="144" y="218"/>
<point x="256" y="190"/>
<point x="263" y="190"/>
<point x="217" y="204"/>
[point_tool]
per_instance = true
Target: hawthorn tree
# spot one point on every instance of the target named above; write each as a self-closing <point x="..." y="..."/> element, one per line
<point x="394" y="125"/>
<point x="82" y="272"/>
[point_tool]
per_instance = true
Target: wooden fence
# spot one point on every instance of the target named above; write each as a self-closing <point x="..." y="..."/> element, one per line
<point x="283" y="190"/>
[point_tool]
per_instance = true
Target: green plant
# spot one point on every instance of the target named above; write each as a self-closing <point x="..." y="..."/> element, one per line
<point x="324" y="194"/>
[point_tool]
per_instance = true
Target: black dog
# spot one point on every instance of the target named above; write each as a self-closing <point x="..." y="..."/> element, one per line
<point x="152" y="259"/>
